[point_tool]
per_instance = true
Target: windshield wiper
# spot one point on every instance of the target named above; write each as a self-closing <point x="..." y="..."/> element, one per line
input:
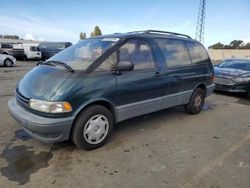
<point x="54" y="63"/>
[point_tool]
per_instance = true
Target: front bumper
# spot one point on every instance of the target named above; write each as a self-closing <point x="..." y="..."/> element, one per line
<point x="47" y="130"/>
<point x="243" y="88"/>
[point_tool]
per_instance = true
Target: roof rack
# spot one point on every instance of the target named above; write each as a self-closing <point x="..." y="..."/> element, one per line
<point x="161" y="32"/>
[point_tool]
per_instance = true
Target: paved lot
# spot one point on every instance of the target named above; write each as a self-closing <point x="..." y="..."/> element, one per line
<point x="164" y="149"/>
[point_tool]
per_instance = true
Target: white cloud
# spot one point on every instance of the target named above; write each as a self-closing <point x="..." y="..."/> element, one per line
<point x="29" y="36"/>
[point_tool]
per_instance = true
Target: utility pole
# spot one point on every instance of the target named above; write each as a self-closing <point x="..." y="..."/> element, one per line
<point x="199" y="34"/>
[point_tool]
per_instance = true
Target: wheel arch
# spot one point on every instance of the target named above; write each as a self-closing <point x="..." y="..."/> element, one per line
<point x="5" y="53"/>
<point x="102" y="102"/>
<point x="202" y="86"/>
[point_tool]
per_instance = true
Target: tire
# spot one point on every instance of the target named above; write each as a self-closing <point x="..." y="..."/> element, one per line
<point x="83" y="130"/>
<point x="25" y="58"/>
<point x="8" y="63"/>
<point x="196" y="101"/>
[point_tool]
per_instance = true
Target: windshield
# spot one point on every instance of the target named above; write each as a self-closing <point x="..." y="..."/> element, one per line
<point x="237" y="64"/>
<point x="81" y="55"/>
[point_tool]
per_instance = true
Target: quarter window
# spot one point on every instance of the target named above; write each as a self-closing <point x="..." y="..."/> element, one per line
<point x="197" y="52"/>
<point x="174" y="51"/>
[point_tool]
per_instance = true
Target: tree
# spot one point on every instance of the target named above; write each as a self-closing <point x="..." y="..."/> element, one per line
<point x="10" y="36"/>
<point x="247" y="46"/>
<point x="217" y="46"/>
<point x="236" y="44"/>
<point x="83" y="36"/>
<point x="97" y="31"/>
<point x="15" y="37"/>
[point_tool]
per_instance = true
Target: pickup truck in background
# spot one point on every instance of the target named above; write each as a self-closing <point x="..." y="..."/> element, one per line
<point x="14" y="49"/>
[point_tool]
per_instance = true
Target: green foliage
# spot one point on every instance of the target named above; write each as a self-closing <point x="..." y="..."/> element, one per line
<point x="235" y="44"/>
<point x="247" y="46"/>
<point x="217" y="46"/>
<point x="83" y="36"/>
<point x="97" y="31"/>
<point x="9" y="36"/>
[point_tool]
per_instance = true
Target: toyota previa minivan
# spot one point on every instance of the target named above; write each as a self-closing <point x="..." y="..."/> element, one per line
<point x="81" y="92"/>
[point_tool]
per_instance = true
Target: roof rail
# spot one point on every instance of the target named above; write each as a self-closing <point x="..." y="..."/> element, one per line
<point x="162" y="32"/>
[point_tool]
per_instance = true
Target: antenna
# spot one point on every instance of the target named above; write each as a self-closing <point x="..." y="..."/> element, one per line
<point x="199" y="34"/>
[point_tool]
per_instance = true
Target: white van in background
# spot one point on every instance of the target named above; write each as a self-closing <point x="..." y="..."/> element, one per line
<point x="32" y="51"/>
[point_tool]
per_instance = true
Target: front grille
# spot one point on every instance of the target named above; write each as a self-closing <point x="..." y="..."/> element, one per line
<point x="223" y="81"/>
<point x="21" y="99"/>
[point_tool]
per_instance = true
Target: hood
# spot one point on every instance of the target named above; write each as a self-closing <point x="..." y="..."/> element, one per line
<point x="229" y="72"/>
<point x="42" y="82"/>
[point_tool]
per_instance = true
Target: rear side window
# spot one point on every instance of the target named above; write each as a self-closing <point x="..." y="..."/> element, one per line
<point x="175" y="52"/>
<point x="197" y="52"/>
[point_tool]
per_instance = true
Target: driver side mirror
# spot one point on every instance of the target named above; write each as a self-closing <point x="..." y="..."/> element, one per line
<point x="125" y="66"/>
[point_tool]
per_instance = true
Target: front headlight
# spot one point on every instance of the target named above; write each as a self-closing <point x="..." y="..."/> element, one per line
<point x="50" y="107"/>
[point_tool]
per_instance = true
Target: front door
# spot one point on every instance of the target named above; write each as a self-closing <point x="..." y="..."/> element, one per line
<point x="139" y="91"/>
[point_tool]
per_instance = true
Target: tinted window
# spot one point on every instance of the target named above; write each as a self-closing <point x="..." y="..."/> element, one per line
<point x="6" y="46"/>
<point x="53" y="45"/>
<point x="174" y="51"/>
<point x="33" y="48"/>
<point x="138" y="52"/>
<point x="197" y="52"/>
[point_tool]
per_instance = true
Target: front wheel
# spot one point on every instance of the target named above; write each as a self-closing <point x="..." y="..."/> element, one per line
<point x="8" y="63"/>
<point x="196" y="101"/>
<point x="93" y="127"/>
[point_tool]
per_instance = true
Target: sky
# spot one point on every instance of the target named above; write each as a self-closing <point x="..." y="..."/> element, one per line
<point x="63" y="20"/>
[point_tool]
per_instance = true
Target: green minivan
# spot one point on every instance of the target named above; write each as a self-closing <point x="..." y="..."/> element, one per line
<point x="81" y="92"/>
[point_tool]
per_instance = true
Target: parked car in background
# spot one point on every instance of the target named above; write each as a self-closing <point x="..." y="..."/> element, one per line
<point x="97" y="82"/>
<point x="49" y="49"/>
<point x="14" y="49"/>
<point x="32" y="51"/>
<point x="6" y="48"/>
<point x="233" y="75"/>
<point x="7" y="60"/>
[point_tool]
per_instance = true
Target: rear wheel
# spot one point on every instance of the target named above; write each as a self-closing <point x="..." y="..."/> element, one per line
<point x="196" y="101"/>
<point x="93" y="127"/>
<point x="8" y="63"/>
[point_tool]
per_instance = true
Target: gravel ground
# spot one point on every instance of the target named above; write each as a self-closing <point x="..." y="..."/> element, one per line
<point x="165" y="149"/>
